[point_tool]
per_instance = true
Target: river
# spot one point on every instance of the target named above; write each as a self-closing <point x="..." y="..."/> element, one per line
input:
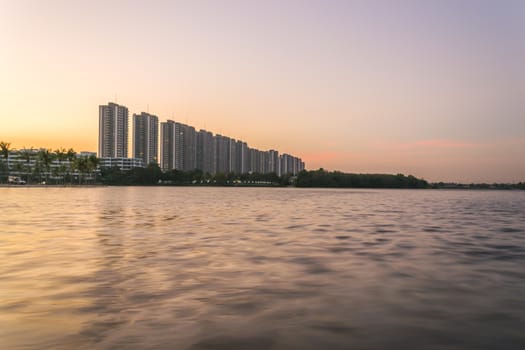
<point x="261" y="268"/>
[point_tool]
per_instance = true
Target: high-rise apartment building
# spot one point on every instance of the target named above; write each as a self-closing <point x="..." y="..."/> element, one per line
<point x="205" y="152"/>
<point x="238" y="157"/>
<point x="263" y="162"/>
<point x="189" y="161"/>
<point x="290" y="165"/>
<point x="145" y="137"/>
<point x="178" y="146"/>
<point x="273" y="161"/>
<point x="112" y="130"/>
<point x="222" y="153"/>
<point x="254" y="160"/>
<point x="245" y="158"/>
<point x="232" y="156"/>
<point x="171" y="145"/>
<point x="167" y="148"/>
<point x="286" y="167"/>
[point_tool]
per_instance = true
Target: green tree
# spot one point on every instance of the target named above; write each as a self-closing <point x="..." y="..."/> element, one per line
<point x="220" y="179"/>
<point x="19" y="168"/>
<point x="45" y="158"/>
<point x="3" y="170"/>
<point x="71" y="157"/>
<point x="92" y="165"/>
<point x="81" y="164"/>
<point x="322" y="178"/>
<point x="60" y="154"/>
<point x="26" y="154"/>
<point x="5" y="147"/>
<point x="59" y="171"/>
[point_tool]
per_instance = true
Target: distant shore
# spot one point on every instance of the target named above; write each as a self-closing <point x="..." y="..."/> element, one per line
<point x="51" y="185"/>
<point x="459" y="188"/>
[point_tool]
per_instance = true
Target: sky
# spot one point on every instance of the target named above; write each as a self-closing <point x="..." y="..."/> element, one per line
<point x="430" y="88"/>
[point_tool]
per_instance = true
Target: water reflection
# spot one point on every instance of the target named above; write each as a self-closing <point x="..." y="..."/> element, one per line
<point x="212" y="268"/>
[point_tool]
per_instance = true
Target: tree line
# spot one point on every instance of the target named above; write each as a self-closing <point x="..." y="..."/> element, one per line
<point x="337" y="179"/>
<point x="153" y="175"/>
<point x="479" y="186"/>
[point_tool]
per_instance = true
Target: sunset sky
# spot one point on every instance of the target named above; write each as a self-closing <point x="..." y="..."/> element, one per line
<point x="430" y="88"/>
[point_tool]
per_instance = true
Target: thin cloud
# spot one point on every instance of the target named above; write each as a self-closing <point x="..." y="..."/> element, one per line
<point x="442" y="143"/>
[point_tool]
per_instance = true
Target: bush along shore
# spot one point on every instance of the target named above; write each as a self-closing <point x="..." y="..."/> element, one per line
<point x="337" y="179"/>
<point x="153" y="175"/>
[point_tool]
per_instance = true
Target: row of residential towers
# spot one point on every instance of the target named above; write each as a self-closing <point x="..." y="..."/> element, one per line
<point x="184" y="148"/>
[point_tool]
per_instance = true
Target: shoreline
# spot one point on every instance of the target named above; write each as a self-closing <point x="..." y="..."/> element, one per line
<point x="255" y="186"/>
<point x="44" y="186"/>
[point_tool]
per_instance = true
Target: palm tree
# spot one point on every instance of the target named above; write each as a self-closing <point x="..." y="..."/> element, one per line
<point x="63" y="170"/>
<point x="61" y="155"/>
<point x="4" y="149"/>
<point x="71" y="156"/>
<point x="46" y="158"/>
<point x="93" y="162"/>
<point x="26" y="154"/>
<point x="81" y="164"/>
<point x="3" y="168"/>
<point x="19" y="168"/>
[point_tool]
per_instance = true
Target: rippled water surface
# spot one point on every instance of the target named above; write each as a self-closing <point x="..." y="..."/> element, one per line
<point x="261" y="268"/>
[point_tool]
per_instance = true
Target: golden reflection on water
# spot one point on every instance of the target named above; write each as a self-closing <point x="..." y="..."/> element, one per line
<point x="132" y="267"/>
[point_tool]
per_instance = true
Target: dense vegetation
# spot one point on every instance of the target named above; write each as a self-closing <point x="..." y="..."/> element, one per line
<point x="480" y="186"/>
<point x="322" y="178"/>
<point x="60" y="166"/>
<point x="153" y="175"/>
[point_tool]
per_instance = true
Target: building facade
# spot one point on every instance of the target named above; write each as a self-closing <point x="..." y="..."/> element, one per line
<point x="112" y="130"/>
<point x="189" y="154"/>
<point x="205" y="152"/>
<point x="167" y="145"/>
<point x="121" y="163"/>
<point x="178" y="146"/>
<point x="146" y="137"/>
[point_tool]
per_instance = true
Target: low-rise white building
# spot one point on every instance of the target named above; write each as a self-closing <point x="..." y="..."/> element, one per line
<point x="121" y="163"/>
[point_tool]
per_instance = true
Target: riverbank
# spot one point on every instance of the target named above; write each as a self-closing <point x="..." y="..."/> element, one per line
<point x="458" y="188"/>
<point x="46" y="186"/>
